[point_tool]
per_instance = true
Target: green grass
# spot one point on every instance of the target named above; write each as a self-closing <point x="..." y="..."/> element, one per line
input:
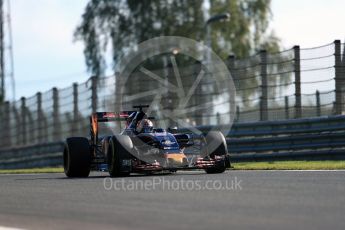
<point x="274" y="165"/>
<point x="291" y="165"/>
<point x="33" y="170"/>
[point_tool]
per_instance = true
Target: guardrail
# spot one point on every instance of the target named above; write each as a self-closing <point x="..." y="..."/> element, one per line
<point x="269" y="86"/>
<point x="310" y="138"/>
<point x="41" y="155"/>
<point x="313" y="138"/>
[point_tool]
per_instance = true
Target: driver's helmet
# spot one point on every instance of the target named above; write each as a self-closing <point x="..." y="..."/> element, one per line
<point x="145" y="126"/>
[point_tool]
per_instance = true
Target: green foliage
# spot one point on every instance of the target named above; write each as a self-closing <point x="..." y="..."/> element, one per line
<point x="291" y="165"/>
<point x="245" y="32"/>
<point x="124" y="23"/>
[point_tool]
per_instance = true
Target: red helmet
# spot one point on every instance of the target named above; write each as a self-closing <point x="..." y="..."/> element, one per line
<point x="145" y="126"/>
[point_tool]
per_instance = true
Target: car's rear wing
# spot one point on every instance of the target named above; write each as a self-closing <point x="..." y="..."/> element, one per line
<point x="111" y="116"/>
<point x="105" y="117"/>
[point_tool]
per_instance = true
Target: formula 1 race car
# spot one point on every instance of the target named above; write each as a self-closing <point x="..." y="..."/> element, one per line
<point x="141" y="148"/>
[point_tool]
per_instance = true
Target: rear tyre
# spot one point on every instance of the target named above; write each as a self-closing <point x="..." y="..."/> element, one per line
<point x="118" y="152"/>
<point x="216" y="146"/>
<point x="77" y="157"/>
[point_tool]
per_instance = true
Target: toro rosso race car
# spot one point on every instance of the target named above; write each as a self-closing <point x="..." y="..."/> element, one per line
<point x="141" y="148"/>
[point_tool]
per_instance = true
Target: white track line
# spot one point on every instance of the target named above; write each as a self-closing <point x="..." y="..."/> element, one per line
<point x="9" y="228"/>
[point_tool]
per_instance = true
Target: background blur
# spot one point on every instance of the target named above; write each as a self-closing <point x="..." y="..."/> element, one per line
<point x="46" y="56"/>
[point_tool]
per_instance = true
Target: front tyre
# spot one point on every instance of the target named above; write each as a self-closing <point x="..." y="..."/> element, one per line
<point x="219" y="167"/>
<point x="77" y="157"/>
<point x="216" y="146"/>
<point x="227" y="161"/>
<point x="118" y="153"/>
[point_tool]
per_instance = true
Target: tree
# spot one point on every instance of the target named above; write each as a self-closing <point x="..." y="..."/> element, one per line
<point x="117" y="25"/>
<point x="125" y="23"/>
<point x="246" y="31"/>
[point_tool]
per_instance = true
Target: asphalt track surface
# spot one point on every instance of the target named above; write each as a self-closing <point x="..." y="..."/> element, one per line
<point x="255" y="200"/>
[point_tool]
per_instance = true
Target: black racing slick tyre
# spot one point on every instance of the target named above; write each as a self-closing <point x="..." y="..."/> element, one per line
<point x="77" y="157"/>
<point x="227" y="161"/>
<point x="220" y="167"/>
<point x="216" y="146"/>
<point x="118" y="153"/>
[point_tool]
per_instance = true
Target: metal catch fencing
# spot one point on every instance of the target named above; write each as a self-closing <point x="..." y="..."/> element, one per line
<point x="294" y="83"/>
